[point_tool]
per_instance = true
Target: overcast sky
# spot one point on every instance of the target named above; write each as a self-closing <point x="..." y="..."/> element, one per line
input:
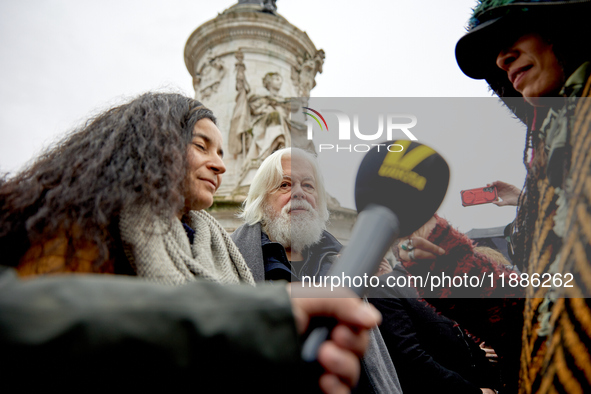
<point x="64" y="60"/>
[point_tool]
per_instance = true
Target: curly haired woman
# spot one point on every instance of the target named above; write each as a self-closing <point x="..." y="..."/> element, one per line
<point x="125" y="194"/>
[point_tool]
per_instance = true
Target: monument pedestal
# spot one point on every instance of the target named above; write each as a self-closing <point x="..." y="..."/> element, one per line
<point x="247" y="64"/>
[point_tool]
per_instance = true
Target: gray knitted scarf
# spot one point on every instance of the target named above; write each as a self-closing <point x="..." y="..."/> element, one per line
<point x="159" y="249"/>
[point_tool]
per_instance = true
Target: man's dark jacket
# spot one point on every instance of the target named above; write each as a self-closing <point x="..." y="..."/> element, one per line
<point x="317" y="260"/>
<point x="431" y="352"/>
<point x="378" y="374"/>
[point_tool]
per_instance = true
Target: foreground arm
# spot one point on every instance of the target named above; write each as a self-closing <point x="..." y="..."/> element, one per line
<point x="113" y="330"/>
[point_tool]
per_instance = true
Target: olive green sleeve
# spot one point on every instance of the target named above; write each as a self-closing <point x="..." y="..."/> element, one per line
<point x="200" y="332"/>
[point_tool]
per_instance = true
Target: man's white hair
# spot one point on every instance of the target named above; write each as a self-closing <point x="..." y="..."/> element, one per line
<point x="268" y="180"/>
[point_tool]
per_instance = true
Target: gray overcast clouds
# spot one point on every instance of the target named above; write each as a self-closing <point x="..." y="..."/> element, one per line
<point x="64" y="60"/>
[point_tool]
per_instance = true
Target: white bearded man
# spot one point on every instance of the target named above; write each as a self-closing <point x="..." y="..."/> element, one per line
<point x="285" y="212"/>
<point x="285" y="237"/>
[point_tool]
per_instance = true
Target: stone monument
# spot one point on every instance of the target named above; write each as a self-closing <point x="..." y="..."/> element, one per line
<point x="248" y="64"/>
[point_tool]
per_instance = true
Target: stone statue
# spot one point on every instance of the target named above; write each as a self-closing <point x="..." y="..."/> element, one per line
<point x="267" y="5"/>
<point x="238" y="137"/>
<point x="304" y="73"/>
<point x="208" y="77"/>
<point x="270" y="6"/>
<point x="269" y="115"/>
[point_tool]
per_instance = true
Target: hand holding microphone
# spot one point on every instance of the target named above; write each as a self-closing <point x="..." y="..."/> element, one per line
<point x="396" y="192"/>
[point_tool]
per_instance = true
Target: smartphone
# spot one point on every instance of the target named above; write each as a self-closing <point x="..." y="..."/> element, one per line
<point x="480" y="195"/>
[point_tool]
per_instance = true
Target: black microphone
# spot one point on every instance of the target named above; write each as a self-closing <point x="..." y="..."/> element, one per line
<point x="398" y="188"/>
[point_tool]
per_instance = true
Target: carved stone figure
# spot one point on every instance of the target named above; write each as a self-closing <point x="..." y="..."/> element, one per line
<point x="304" y="73"/>
<point x="208" y="77"/>
<point x="269" y="114"/>
<point x="238" y="137"/>
<point x="269" y="6"/>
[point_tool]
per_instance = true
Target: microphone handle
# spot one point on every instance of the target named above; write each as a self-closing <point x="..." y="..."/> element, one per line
<point x="374" y="232"/>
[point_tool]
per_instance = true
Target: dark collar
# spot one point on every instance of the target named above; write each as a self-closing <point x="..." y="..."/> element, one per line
<point x="277" y="266"/>
<point x="190" y="232"/>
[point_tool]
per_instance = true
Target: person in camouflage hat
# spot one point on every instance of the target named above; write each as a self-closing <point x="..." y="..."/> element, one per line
<point x="536" y="56"/>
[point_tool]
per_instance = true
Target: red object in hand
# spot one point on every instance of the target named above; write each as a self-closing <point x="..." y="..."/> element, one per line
<point x="480" y="195"/>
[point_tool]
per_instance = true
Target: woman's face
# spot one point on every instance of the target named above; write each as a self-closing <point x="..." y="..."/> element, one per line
<point x="205" y="165"/>
<point x="532" y="67"/>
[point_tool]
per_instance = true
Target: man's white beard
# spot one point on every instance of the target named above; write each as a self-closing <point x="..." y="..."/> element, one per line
<point x="297" y="231"/>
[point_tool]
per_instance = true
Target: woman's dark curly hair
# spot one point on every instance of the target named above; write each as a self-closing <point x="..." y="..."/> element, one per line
<point x="133" y="153"/>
